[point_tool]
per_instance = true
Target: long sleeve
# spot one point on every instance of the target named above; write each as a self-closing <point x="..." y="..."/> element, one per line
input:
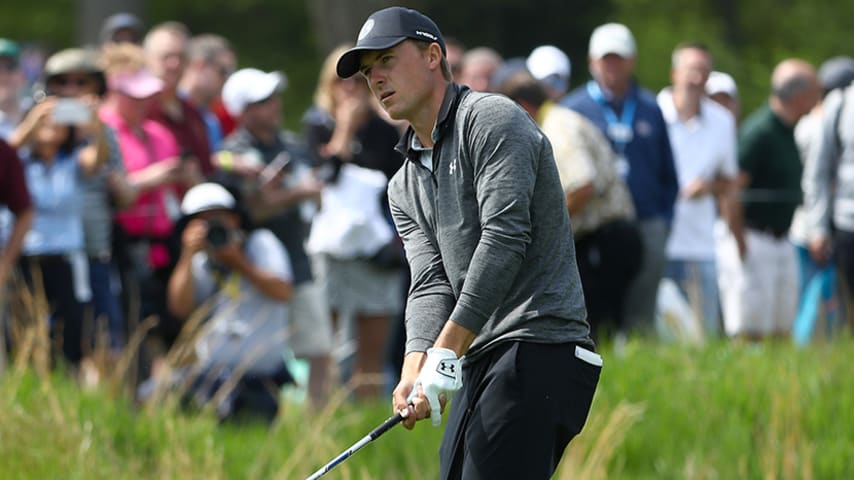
<point x="430" y="298"/>
<point x="505" y="150"/>
<point x="818" y="169"/>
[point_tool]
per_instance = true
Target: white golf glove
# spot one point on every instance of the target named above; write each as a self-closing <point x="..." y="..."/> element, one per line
<point x="441" y="373"/>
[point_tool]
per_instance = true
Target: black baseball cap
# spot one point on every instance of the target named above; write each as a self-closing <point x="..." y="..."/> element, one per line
<point x="385" y="29"/>
<point x="121" y="21"/>
<point x="836" y="72"/>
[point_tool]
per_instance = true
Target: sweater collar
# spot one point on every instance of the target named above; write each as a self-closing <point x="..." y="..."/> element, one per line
<point x="454" y="93"/>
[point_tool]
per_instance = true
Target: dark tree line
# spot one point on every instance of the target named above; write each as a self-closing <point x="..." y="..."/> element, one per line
<point x="747" y="38"/>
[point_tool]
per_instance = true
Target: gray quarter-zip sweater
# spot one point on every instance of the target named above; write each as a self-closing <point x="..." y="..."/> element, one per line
<point x="828" y="181"/>
<point x="487" y="232"/>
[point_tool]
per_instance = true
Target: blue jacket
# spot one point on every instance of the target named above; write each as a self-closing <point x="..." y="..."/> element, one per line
<point x="652" y="174"/>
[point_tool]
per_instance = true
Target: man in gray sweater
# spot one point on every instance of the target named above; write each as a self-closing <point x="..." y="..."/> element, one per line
<point x="480" y="208"/>
<point x="828" y="185"/>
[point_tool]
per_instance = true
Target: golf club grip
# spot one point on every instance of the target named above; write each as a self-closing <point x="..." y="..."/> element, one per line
<point x="397" y="418"/>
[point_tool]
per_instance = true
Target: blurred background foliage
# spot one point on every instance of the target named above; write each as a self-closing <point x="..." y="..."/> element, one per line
<point x="747" y="37"/>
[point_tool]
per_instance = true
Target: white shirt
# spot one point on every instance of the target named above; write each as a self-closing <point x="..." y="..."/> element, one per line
<point x="703" y="147"/>
<point x="807" y="131"/>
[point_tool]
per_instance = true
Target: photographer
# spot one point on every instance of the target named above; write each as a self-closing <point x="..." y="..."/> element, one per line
<point x="74" y="75"/>
<point x="243" y="279"/>
<point x="55" y="165"/>
<point x="276" y="197"/>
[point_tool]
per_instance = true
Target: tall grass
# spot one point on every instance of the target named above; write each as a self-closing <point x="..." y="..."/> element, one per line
<point x="726" y="411"/>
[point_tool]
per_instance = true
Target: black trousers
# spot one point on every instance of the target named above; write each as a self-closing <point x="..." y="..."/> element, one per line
<point x="53" y="273"/>
<point x="609" y="259"/>
<point x="519" y="407"/>
<point x="843" y="253"/>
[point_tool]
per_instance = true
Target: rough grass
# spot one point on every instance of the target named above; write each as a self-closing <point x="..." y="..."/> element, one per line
<point x="662" y="411"/>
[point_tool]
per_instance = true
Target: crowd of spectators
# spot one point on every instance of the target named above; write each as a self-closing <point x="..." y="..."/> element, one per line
<point x="149" y="177"/>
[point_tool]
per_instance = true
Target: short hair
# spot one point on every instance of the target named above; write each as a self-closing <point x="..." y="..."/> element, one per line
<point x="523" y="87"/>
<point x="482" y="54"/>
<point x="674" y="58"/>
<point x="173" y="27"/>
<point x="446" y="67"/>
<point x="207" y="47"/>
<point x="792" y="86"/>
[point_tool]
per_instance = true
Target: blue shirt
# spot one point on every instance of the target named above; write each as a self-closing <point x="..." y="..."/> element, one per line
<point x="213" y="127"/>
<point x="56" y="194"/>
<point x="651" y="176"/>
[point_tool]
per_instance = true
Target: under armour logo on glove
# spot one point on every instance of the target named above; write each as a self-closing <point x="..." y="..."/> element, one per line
<point x="447" y="369"/>
<point x="440" y="374"/>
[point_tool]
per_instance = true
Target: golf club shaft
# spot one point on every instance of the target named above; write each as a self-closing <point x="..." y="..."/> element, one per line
<point x="356" y="446"/>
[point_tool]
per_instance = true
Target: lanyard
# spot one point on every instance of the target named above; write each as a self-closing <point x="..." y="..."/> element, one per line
<point x="620" y="130"/>
<point x="228" y="285"/>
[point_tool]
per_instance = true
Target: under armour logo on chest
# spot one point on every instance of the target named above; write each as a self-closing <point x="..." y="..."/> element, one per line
<point x="447" y="369"/>
<point x="453" y="167"/>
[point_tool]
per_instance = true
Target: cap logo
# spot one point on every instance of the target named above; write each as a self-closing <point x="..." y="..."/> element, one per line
<point x="366" y="28"/>
<point x="428" y="35"/>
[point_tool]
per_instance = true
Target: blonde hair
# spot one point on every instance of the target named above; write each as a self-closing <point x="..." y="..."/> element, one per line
<point x="122" y="57"/>
<point x="323" y="97"/>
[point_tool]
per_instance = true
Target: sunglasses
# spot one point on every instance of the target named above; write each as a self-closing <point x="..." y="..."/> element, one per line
<point x="70" y="80"/>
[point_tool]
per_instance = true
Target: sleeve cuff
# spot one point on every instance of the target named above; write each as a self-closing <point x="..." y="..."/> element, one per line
<point x="468" y="317"/>
<point x="417" y="345"/>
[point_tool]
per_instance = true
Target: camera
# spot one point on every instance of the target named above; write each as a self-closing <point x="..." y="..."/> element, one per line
<point x="218" y="234"/>
<point x="70" y="111"/>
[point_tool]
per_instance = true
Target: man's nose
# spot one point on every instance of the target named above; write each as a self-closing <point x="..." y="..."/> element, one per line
<point x="374" y="78"/>
<point x="375" y="81"/>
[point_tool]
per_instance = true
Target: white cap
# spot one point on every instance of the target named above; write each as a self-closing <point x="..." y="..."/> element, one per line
<point x="613" y="38"/>
<point x="548" y="60"/>
<point x="720" y="82"/>
<point x="207" y="196"/>
<point x="250" y="85"/>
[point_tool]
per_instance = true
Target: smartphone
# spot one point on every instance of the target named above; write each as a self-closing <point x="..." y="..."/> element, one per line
<point x="70" y="111"/>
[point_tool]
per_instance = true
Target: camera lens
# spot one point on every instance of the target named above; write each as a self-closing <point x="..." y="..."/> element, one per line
<point x="217" y="235"/>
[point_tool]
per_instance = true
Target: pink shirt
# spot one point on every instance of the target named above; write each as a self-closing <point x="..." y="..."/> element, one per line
<point x="155" y="211"/>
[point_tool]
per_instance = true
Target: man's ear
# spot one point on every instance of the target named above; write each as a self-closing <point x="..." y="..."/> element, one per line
<point x="434" y="55"/>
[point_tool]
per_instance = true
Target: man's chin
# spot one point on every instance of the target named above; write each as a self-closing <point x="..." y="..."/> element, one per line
<point x="393" y="113"/>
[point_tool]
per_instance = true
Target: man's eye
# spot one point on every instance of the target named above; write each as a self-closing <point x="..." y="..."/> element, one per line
<point x="386" y="58"/>
<point x="366" y="72"/>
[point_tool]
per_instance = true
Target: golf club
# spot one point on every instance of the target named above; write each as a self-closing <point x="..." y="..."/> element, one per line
<point x="375" y="433"/>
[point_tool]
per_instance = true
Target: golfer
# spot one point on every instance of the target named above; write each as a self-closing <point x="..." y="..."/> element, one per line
<point x="495" y="313"/>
